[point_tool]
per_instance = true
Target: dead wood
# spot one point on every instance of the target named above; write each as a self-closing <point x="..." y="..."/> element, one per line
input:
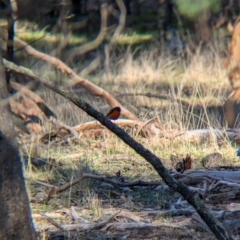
<point x="190" y="180"/>
<point x="120" y="157"/>
<point x="56" y="190"/>
<point x="63" y="125"/>
<point x="148" y="128"/>
<point x="81" y="226"/>
<point x="30" y="107"/>
<point x="170" y="213"/>
<point x="222" y="197"/>
<point x="95" y="129"/>
<point x="25" y="91"/>
<point x="133" y="229"/>
<point x="120" y="122"/>
<point x="50" y="215"/>
<point x="131" y="217"/>
<point x="210" y="134"/>
<point x="232" y="177"/>
<point x="76" y="80"/>
<point x="28" y="110"/>
<point x="193" y="199"/>
<point x="138" y="224"/>
<point x="40" y="183"/>
<point x="232" y="225"/>
<point x="180" y="230"/>
<point x="73" y="53"/>
<point x="74" y="214"/>
<point x="232" y="134"/>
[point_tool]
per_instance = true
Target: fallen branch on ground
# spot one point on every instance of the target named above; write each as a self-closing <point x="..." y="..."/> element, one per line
<point x="76" y="80"/>
<point x="145" y="223"/>
<point x="81" y="226"/>
<point x="191" y="177"/>
<point x="63" y="125"/>
<point x="56" y="190"/>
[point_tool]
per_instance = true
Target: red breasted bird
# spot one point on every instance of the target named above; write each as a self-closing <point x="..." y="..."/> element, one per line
<point x="114" y="113"/>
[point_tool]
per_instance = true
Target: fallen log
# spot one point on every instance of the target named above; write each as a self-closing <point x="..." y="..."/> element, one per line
<point x="193" y="176"/>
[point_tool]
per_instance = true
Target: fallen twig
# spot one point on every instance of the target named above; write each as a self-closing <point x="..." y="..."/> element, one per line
<point x="56" y="190"/>
<point x="81" y="226"/>
<point x="63" y="125"/>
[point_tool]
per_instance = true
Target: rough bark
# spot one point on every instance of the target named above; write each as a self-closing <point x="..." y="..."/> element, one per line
<point x="15" y="217"/>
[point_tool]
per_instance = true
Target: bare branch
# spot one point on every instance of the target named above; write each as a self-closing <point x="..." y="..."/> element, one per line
<point x="96" y="42"/>
<point x="81" y="226"/>
<point x="76" y="80"/>
<point x="56" y="190"/>
<point x="122" y="20"/>
<point x="63" y="125"/>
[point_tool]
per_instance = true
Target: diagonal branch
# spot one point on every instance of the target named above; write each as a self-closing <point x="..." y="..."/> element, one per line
<point x="76" y="80"/>
<point x="215" y="225"/>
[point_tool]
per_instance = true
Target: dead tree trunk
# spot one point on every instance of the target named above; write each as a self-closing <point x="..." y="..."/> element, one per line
<point x="15" y="215"/>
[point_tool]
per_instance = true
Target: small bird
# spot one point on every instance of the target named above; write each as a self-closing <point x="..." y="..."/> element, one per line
<point x="114" y="113"/>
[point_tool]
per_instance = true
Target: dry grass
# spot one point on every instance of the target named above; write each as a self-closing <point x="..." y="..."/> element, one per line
<point x="201" y="82"/>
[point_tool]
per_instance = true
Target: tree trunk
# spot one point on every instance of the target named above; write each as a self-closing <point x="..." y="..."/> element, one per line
<point x="15" y="215"/>
<point x="77" y="7"/>
<point x="165" y="18"/>
<point x="203" y="31"/>
<point x="135" y="9"/>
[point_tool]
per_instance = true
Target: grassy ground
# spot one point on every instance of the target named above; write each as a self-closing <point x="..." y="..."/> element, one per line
<point x="196" y="87"/>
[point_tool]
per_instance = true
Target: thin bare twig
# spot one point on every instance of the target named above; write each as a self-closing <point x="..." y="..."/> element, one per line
<point x="82" y="226"/>
<point x="58" y="123"/>
<point x="54" y="223"/>
<point x="56" y="190"/>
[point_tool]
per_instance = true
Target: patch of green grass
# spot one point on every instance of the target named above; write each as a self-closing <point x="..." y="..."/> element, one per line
<point x="49" y="38"/>
<point x="43" y="207"/>
<point x="134" y="38"/>
<point x="3" y="22"/>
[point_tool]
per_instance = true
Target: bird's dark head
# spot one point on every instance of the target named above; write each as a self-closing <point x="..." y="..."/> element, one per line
<point x="118" y="109"/>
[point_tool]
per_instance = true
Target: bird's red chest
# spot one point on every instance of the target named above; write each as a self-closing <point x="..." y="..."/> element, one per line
<point x="114" y="115"/>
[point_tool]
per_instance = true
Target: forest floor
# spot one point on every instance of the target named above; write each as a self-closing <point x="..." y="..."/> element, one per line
<point x="186" y="93"/>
